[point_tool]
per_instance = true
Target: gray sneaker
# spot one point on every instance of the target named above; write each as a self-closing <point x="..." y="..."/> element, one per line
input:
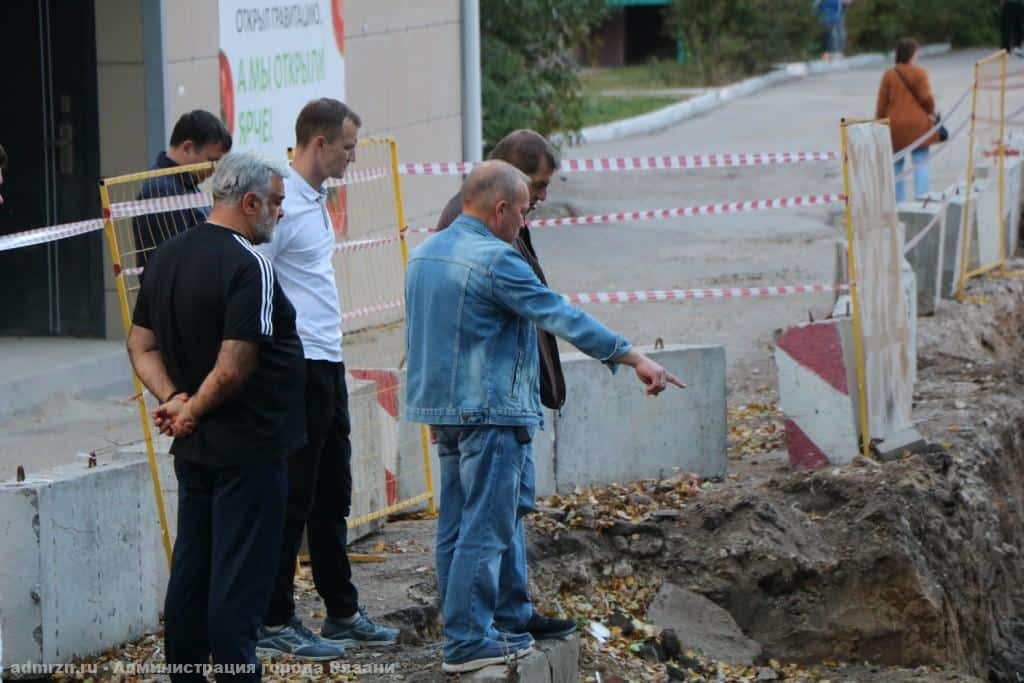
<point x="298" y="641"/>
<point x="363" y="631"/>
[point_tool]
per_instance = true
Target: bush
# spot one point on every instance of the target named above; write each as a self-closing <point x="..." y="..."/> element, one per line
<point x="530" y="77"/>
<point x="742" y="37"/>
<point x="877" y="24"/>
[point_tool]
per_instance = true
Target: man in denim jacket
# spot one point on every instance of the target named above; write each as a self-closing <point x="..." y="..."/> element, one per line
<point x="472" y="306"/>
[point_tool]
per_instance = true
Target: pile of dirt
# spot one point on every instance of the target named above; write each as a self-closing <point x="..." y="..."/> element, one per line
<point x="910" y="563"/>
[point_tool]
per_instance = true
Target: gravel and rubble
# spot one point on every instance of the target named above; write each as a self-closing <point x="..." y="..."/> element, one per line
<point x="906" y="571"/>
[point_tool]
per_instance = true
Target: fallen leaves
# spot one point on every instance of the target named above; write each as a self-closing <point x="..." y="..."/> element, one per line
<point x="755" y="428"/>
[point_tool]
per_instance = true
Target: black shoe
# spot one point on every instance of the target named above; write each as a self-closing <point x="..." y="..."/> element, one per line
<point x="548" y="628"/>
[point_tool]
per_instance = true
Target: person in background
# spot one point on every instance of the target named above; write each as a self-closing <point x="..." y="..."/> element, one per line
<point x="1011" y="20"/>
<point x="905" y="98"/>
<point x="198" y="137"/>
<point x="830" y="17"/>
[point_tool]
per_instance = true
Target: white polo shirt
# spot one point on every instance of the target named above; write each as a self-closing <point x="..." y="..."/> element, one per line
<point x="302" y="252"/>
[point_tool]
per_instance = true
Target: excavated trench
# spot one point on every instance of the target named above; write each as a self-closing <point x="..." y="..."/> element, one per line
<point x="918" y="561"/>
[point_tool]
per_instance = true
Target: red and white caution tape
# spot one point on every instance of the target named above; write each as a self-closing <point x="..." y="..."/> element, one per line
<point x="686" y="211"/>
<point x="195" y="200"/>
<point x="687" y="294"/>
<point x="649" y="163"/>
<point x="51" y="233"/>
<point x="354" y="176"/>
<point x="370" y="310"/>
<point x="363" y="245"/>
<point x="146" y="207"/>
<point x="651" y="295"/>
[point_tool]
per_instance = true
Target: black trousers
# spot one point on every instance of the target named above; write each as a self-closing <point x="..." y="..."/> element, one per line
<point x="319" y="499"/>
<point x="223" y="566"/>
<point x="1012" y="21"/>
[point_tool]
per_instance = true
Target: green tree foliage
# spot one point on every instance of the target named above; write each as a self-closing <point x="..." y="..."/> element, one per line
<point x="530" y="76"/>
<point x="878" y="24"/>
<point x="741" y="37"/>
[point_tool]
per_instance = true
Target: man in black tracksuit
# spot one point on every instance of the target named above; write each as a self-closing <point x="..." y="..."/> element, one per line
<point x="214" y="340"/>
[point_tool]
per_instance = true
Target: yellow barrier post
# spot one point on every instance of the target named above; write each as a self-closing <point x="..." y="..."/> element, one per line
<point x="998" y="115"/>
<point x="965" y="221"/>
<point x="402" y="227"/>
<point x="1002" y="162"/>
<point x="858" y="340"/>
<point x="122" y="295"/>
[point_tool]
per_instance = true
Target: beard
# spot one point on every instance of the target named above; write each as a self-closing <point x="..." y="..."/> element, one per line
<point x="263" y="229"/>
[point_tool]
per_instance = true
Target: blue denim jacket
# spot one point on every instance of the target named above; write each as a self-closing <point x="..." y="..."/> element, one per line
<point x="471" y="305"/>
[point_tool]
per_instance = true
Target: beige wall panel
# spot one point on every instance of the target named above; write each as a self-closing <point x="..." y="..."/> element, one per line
<point x="191" y="29"/>
<point x="205" y="28"/>
<point x="367" y="84"/>
<point x="199" y="78"/>
<point x="122" y="119"/>
<point x="118" y="31"/>
<point x="425" y="196"/>
<point x="390" y="15"/>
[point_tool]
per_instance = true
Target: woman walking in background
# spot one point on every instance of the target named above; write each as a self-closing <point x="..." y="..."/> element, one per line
<point x="905" y="98"/>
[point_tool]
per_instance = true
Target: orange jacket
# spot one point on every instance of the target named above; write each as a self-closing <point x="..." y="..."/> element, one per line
<point x="908" y="120"/>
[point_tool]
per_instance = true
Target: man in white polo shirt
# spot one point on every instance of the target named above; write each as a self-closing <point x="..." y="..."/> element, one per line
<point x="319" y="476"/>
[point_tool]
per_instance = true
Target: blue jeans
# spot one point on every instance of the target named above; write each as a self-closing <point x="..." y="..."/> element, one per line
<point x="919" y="157"/>
<point x="488" y="484"/>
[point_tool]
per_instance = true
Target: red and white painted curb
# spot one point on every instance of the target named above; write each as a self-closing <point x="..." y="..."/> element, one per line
<point x="388" y="385"/>
<point x="814" y="396"/>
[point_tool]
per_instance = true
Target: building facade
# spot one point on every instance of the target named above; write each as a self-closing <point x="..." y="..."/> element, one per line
<point x="93" y="88"/>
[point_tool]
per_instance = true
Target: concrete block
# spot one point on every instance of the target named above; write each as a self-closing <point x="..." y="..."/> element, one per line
<point x="77" y="568"/>
<point x="990" y="228"/>
<point x="909" y="279"/>
<point x="552" y="661"/>
<point x="563" y="658"/>
<point x="373" y="431"/>
<point x="1014" y="196"/>
<point x="1011" y="199"/>
<point x="817" y="393"/>
<point x="702" y="625"/>
<point x="925" y="258"/>
<point x="894" y="445"/>
<point x="544" y="447"/>
<point x="955" y="219"/>
<point x="610" y="431"/>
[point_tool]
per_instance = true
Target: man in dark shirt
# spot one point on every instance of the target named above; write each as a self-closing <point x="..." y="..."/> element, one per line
<point x="198" y="137"/>
<point x="214" y="339"/>
<point x="528" y="151"/>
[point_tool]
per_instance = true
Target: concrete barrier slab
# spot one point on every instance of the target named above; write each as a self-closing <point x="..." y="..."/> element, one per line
<point x="77" y="568"/>
<point x="955" y="219"/>
<point x="817" y="380"/>
<point x="610" y="431"/>
<point x="927" y="257"/>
